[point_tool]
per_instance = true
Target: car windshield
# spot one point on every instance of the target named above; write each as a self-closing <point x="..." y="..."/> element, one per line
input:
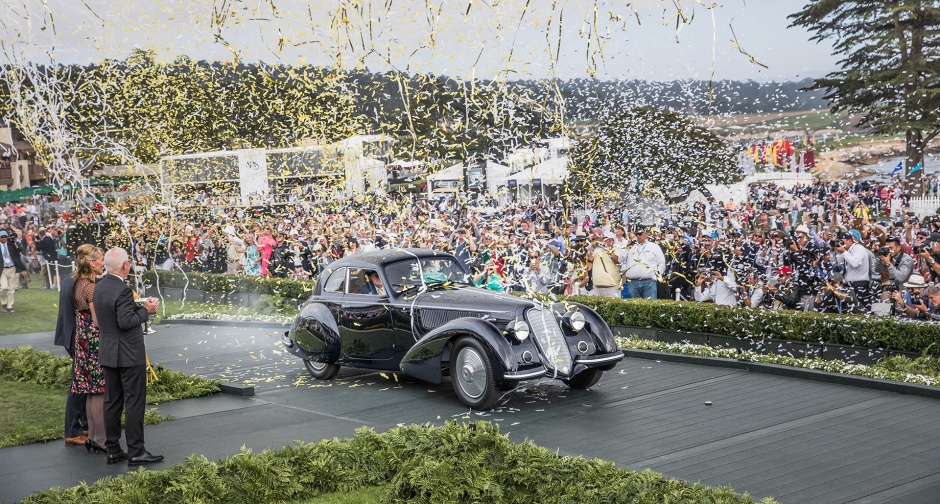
<point x="414" y="272"/>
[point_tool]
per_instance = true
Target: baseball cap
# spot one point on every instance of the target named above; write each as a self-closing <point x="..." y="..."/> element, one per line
<point x="784" y="270"/>
<point x="836" y="278"/>
<point x="3" y="233"/>
<point x="850" y="235"/>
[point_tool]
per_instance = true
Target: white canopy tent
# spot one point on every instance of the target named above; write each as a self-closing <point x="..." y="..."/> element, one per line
<point x="451" y="179"/>
<point x="448" y="180"/>
<point x="530" y="183"/>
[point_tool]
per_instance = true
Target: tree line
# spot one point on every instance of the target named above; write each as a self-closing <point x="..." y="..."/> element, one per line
<point x="140" y="109"/>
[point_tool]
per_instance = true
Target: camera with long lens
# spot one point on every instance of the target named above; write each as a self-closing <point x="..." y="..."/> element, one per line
<point x="883" y="251"/>
<point x="835" y="243"/>
<point x="891" y="287"/>
<point x="919" y="249"/>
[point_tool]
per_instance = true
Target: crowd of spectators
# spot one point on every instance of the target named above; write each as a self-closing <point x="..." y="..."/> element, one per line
<point x="831" y="247"/>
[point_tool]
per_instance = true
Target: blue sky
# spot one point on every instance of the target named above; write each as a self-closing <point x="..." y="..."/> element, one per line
<point x="463" y="38"/>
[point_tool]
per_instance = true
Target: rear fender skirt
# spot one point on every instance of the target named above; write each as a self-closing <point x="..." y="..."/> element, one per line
<point x="423" y="361"/>
<point x="314" y="335"/>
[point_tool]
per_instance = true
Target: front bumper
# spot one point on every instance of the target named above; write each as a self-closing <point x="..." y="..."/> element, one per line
<point x="600" y="359"/>
<point x="526" y="374"/>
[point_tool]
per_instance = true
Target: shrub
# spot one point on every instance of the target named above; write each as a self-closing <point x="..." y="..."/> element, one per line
<point x="24" y="364"/>
<point x="280" y="287"/>
<point x="860" y="330"/>
<point x="451" y="463"/>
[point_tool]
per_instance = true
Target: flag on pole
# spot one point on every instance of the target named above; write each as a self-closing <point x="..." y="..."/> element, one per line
<point x="916" y="168"/>
<point x="898" y="168"/>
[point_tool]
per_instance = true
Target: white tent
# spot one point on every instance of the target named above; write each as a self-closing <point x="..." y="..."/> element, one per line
<point x="551" y="172"/>
<point x="448" y="180"/>
<point x="495" y="172"/>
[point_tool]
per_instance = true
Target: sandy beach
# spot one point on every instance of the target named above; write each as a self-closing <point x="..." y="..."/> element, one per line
<point x="848" y="163"/>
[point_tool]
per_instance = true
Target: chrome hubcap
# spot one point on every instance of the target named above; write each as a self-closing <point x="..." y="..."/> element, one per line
<point x="472" y="375"/>
<point x="316" y="365"/>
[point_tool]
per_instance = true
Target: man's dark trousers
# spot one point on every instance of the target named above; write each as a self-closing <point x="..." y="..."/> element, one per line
<point x="126" y="389"/>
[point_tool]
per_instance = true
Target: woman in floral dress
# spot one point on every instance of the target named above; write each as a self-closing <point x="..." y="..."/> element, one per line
<point x="87" y="375"/>
<point x="252" y="257"/>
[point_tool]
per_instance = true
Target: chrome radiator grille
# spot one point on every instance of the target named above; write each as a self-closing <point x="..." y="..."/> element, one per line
<point x="550" y="339"/>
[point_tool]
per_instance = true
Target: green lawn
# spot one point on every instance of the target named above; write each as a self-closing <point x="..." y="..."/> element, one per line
<point x="35" y="310"/>
<point x="30" y="413"/>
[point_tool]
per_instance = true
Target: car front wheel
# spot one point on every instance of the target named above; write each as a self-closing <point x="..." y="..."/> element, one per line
<point x="472" y="374"/>
<point x="320" y="370"/>
<point x="585" y="379"/>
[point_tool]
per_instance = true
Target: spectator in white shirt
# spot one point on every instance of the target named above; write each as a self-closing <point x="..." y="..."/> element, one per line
<point x="642" y="265"/>
<point x="857" y="267"/>
<point x="716" y="287"/>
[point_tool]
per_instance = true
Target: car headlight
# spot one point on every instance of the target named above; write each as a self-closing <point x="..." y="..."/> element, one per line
<point x="575" y="320"/>
<point x="519" y="329"/>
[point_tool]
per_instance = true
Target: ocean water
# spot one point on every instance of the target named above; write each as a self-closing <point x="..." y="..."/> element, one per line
<point x="882" y="169"/>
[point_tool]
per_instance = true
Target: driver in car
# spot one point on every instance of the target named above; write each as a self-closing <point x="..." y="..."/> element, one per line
<point x="373" y="286"/>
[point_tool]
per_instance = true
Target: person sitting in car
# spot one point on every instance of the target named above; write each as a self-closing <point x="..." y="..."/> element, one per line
<point x="373" y="285"/>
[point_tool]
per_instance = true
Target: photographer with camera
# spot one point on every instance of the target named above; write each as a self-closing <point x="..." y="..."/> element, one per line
<point x="857" y="267"/>
<point x="911" y="301"/>
<point x="835" y="296"/>
<point x="928" y="255"/>
<point x="751" y="292"/>
<point x="783" y="291"/>
<point x="805" y="257"/>
<point x="711" y="285"/>
<point x="929" y="304"/>
<point x="898" y="265"/>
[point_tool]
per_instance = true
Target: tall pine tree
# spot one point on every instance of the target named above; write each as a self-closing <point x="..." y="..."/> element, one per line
<point x="890" y="67"/>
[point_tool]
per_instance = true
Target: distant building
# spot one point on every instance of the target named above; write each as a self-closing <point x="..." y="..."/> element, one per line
<point x="18" y="168"/>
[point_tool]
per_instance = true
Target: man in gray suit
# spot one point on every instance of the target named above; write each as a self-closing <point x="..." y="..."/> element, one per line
<point x="123" y="357"/>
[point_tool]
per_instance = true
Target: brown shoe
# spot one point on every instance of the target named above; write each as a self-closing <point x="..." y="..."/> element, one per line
<point x="75" y="441"/>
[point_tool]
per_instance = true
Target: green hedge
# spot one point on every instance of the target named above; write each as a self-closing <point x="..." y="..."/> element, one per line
<point x="454" y="463"/>
<point x="214" y="282"/>
<point x="860" y="330"/>
<point x="24" y="364"/>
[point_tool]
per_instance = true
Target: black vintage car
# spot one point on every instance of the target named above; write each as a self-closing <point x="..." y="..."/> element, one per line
<point x="415" y="311"/>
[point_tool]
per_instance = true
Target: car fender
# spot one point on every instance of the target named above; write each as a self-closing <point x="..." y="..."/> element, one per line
<point x="423" y="361"/>
<point x="314" y="334"/>
<point x="599" y="330"/>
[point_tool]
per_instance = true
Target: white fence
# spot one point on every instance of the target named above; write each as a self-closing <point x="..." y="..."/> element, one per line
<point x="925" y="206"/>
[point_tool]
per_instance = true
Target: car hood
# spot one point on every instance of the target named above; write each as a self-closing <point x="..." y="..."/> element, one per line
<point x="499" y="305"/>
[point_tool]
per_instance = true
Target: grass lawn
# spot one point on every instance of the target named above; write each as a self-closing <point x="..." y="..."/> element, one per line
<point x="30" y="413"/>
<point x="36" y="309"/>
